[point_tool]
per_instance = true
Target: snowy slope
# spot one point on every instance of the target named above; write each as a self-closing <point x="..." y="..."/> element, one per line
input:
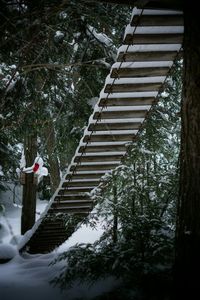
<point x="27" y="277"/>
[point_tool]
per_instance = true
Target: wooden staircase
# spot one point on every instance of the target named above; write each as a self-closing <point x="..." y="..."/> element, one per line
<point x="151" y="43"/>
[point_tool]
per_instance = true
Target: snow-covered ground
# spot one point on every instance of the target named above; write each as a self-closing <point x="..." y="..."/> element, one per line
<point x="28" y="276"/>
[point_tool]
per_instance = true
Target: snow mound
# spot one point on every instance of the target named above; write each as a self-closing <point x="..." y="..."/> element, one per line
<point x="7" y="251"/>
<point x="16" y="239"/>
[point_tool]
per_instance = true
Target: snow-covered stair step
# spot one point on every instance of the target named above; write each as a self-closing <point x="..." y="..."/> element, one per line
<point x="121" y="114"/>
<point x="72" y="204"/>
<point x="139" y="101"/>
<point x="150" y="35"/>
<point x="125" y="85"/>
<point x="72" y="197"/>
<point x="109" y="137"/>
<point x="71" y="209"/>
<point x="161" y="19"/>
<point x="105" y="157"/>
<point x="73" y="191"/>
<point x="148" y="53"/>
<point x="139" y="72"/>
<point x="63" y="201"/>
<point x="80" y="183"/>
<point x="114" y="126"/>
<point x="94" y="167"/>
<point x="102" y="147"/>
<point x="140" y="69"/>
<point x="159" y="30"/>
<point x="84" y="175"/>
<point x="85" y="178"/>
<point x="50" y="236"/>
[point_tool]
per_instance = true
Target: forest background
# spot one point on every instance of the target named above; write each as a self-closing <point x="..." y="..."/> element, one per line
<point x="54" y="60"/>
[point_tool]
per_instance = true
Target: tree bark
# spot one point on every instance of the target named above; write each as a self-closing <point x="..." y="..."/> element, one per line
<point x="115" y="211"/>
<point x="188" y="216"/>
<point x="54" y="169"/>
<point x="30" y="188"/>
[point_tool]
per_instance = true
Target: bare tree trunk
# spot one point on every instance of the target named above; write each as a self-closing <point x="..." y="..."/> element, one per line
<point x="134" y="194"/>
<point x="115" y="213"/>
<point x="29" y="189"/>
<point x="54" y="171"/>
<point x="188" y="219"/>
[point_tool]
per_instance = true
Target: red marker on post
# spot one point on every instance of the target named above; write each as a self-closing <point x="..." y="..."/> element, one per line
<point x="36" y="167"/>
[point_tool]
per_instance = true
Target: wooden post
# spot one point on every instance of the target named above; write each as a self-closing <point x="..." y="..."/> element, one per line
<point x="29" y="188"/>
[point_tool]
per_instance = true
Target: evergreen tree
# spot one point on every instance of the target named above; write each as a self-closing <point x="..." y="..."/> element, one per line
<point x="50" y="53"/>
<point x="137" y="205"/>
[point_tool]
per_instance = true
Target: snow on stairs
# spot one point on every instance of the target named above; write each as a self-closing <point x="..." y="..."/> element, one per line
<point x="152" y="41"/>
